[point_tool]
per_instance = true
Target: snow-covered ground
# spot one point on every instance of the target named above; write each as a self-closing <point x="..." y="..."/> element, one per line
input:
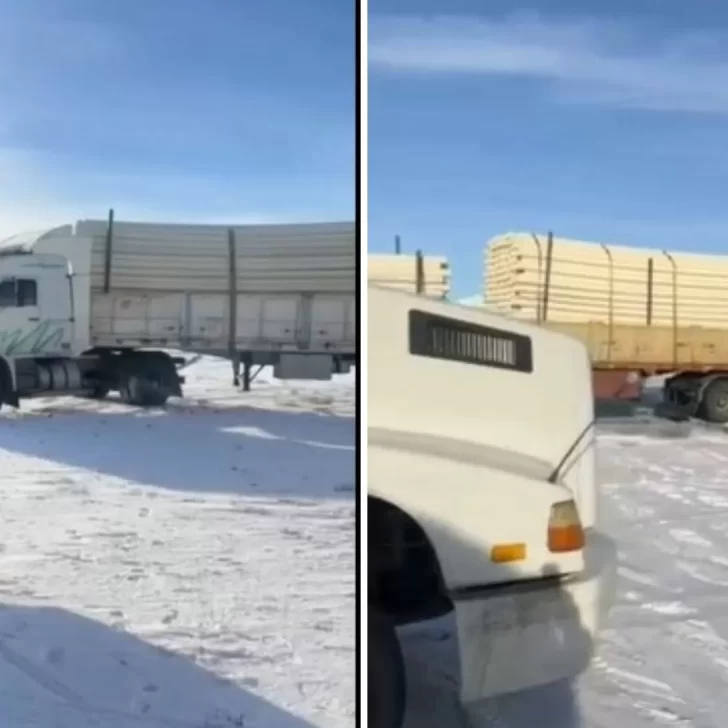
<point x="663" y="661"/>
<point x="191" y="568"/>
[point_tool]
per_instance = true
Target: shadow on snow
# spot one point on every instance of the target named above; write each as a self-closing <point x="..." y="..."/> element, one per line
<point x="245" y="451"/>
<point x="84" y="673"/>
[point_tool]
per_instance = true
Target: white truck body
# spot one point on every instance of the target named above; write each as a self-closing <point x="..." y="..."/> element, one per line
<point x="267" y="290"/>
<point x="469" y="415"/>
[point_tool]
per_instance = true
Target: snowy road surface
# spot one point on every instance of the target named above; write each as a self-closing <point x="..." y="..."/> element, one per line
<point x="191" y="568"/>
<point x="663" y="661"/>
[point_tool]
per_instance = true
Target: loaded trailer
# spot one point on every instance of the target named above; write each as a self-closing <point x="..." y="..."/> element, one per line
<point x="641" y="312"/>
<point x="425" y="275"/>
<point x="96" y="307"/>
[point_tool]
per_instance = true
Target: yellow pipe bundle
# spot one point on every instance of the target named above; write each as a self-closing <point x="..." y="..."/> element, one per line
<point x="400" y="272"/>
<point x="570" y="281"/>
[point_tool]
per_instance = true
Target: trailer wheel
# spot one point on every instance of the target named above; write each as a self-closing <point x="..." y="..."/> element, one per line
<point x="714" y="407"/>
<point x="386" y="674"/>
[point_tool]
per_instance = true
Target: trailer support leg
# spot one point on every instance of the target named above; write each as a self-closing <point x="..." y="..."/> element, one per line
<point x="246" y="376"/>
<point x="236" y="370"/>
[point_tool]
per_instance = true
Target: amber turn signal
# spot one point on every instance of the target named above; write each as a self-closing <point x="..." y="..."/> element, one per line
<point x="565" y="531"/>
<point x="503" y="553"/>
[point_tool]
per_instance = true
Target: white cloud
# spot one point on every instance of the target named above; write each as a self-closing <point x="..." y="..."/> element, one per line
<point x="36" y="195"/>
<point x="582" y="60"/>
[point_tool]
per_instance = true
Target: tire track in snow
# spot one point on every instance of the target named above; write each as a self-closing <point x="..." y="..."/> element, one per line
<point x="259" y="577"/>
<point x="658" y="656"/>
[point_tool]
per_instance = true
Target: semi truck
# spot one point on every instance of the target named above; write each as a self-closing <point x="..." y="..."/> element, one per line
<point x="97" y="306"/>
<point x="641" y="312"/>
<point x="482" y="498"/>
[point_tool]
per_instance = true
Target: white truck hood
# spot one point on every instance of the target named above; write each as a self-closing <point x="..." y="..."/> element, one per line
<point x="509" y="414"/>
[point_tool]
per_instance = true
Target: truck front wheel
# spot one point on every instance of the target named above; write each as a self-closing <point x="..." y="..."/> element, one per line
<point x="385" y="673"/>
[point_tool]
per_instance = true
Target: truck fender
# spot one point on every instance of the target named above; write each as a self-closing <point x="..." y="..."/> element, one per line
<point x="168" y="369"/>
<point x="8" y="383"/>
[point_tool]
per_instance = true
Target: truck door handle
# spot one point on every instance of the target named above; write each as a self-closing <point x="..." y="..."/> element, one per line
<point x="34" y="318"/>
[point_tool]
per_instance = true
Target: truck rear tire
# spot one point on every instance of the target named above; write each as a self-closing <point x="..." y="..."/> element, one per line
<point x="714" y="405"/>
<point x="142" y="381"/>
<point x="140" y="391"/>
<point x="386" y="673"/>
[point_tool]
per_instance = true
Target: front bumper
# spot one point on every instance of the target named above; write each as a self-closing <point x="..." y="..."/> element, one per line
<point x="526" y="634"/>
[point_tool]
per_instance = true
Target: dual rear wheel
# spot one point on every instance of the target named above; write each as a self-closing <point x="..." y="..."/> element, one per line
<point x="694" y="395"/>
<point x="714" y="405"/>
<point x="142" y="380"/>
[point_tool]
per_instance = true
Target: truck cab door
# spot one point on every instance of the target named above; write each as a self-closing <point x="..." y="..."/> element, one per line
<point x="18" y="315"/>
<point x="34" y="312"/>
<point x="55" y="304"/>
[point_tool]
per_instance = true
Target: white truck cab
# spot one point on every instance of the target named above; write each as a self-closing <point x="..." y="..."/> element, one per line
<point x="482" y="497"/>
<point x="36" y="306"/>
<point x="45" y="347"/>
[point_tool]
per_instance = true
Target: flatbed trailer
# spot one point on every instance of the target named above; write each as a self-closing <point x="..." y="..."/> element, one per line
<point x="640" y="313"/>
<point x="96" y="307"/>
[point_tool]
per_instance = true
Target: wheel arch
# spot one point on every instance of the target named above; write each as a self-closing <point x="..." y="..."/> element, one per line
<point x="405" y="579"/>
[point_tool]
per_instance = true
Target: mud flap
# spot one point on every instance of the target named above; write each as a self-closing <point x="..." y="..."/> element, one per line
<point x="10" y="398"/>
<point x="161" y="364"/>
<point x="171" y="378"/>
<point x="8" y="389"/>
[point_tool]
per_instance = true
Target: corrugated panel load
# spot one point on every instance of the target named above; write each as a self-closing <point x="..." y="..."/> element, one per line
<point x="400" y="272"/>
<point x="593" y="282"/>
<point x="295" y="258"/>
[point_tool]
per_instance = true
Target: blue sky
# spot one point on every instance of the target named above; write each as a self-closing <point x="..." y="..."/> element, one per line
<point x="214" y="110"/>
<point x="606" y="124"/>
